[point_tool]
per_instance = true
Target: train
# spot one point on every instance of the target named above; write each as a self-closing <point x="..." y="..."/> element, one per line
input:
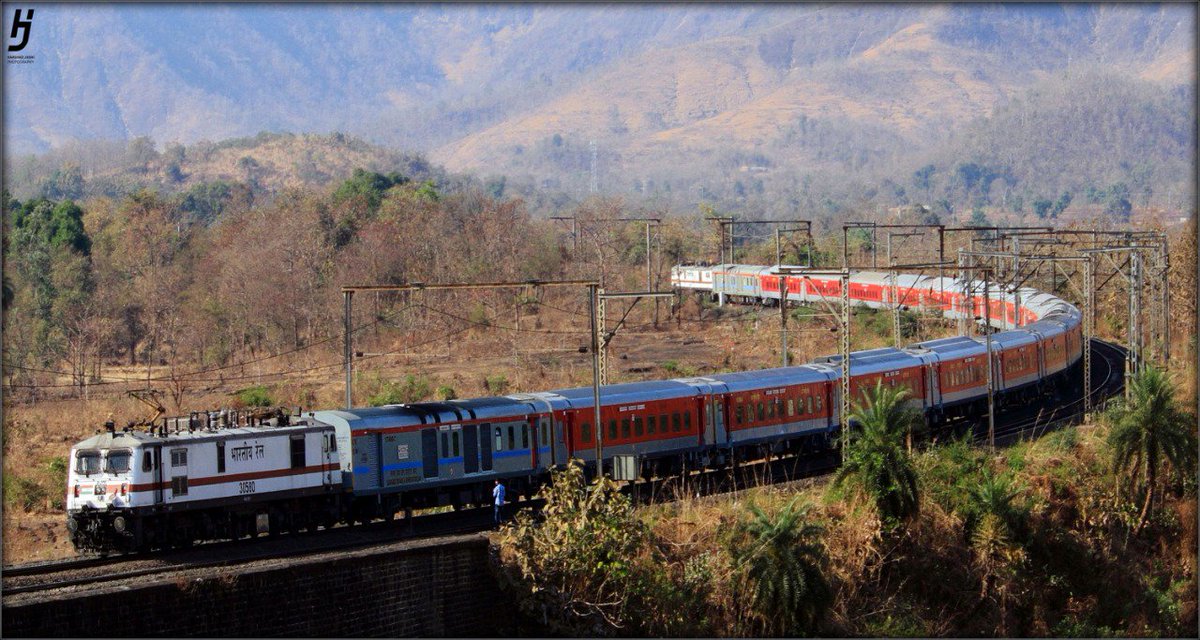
<point x="228" y="475"/>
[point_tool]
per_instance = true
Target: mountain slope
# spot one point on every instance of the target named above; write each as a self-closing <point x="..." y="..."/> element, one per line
<point x="923" y="72"/>
<point x="678" y="102"/>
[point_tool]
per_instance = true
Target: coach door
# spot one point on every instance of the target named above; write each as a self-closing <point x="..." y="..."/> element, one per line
<point x="156" y="452"/>
<point x="429" y="452"/>
<point x="328" y="448"/>
<point x="716" y="419"/>
<point x="470" y="448"/>
<point x="485" y="446"/>
<point x="566" y="434"/>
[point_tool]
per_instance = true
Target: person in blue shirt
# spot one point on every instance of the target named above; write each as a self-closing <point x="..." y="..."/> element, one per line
<point x="498" y="494"/>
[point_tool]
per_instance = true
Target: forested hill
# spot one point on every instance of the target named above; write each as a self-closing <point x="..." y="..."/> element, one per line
<point x="760" y="108"/>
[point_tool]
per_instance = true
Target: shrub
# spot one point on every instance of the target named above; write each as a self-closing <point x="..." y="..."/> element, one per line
<point x="496" y="384"/>
<point x="411" y="389"/>
<point x="56" y="479"/>
<point x="446" y="392"/>
<point x="876" y="463"/>
<point x="23" y="493"/>
<point x="478" y="315"/>
<point x="589" y="567"/>
<point x="256" y="396"/>
<point x="780" y="562"/>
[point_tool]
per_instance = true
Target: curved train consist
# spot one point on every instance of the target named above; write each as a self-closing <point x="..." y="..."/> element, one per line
<point x="218" y="476"/>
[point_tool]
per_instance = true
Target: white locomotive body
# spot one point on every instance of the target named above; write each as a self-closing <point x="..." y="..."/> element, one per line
<point x="134" y="489"/>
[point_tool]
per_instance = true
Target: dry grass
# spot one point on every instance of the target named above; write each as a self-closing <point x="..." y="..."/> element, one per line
<point x="1079" y="571"/>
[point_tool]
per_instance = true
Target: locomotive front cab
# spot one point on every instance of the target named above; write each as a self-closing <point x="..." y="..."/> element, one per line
<point x="102" y="485"/>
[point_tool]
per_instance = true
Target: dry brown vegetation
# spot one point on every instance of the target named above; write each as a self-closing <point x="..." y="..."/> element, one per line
<point x="202" y="310"/>
<point x="1069" y="565"/>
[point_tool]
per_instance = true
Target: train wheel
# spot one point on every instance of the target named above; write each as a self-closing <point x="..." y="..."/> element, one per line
<point x="182" y="538"/>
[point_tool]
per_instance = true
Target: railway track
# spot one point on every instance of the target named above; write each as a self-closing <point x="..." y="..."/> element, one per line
<point x="1013" y="424"/>
<point x="91" y="572"/>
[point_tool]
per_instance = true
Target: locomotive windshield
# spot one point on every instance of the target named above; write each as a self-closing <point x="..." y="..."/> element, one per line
<point x="117" y="461"/>
<point x="87" y="462"/>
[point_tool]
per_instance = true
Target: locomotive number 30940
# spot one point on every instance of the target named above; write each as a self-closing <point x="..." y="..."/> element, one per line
<point x="246" y="487"/>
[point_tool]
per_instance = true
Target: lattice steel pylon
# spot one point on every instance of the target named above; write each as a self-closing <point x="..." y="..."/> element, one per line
<point x="844" y="347"/>
<point x="601" y="331"/>
<point x="895" y="306"/>
<point x="1089" y="329"/>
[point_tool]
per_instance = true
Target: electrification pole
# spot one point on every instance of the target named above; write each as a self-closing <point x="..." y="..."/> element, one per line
<point x="593" y="298"/>
<point x="987" y="332"/>
<point x="347" y="301"/>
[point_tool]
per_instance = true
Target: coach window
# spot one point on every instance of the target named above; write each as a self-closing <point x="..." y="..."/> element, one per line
<point x="525" y="436"/>
<point x="499" y="439"/>
<point x="662" y="423"/>
<point x="178" y="458"/>
<point x="624" y="427"/>
<point x="586" y="432"/>
<point x="297" y="452"/>
<point x="650" y="424"/>
<point x="762" y="414"/>
<point x="445" y="444"/>
<point x="739" y="413"/>
<point x="220" y="457"/>
<point x="612" y="429"/>
<point x="675" y="422"/>
<point x="454" y="444"/>
<point x="545" y="436"/>
<point x="512" y="437"/>
<point x="687" y="421"/>
<point x="638" y="429"/>
<point x="147" y="461"/>
<point x="818" y="403"/>
<point x="791" y="407"/>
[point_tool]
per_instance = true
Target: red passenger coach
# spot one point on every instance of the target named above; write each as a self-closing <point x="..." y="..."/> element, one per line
<point x="911" y="378"/>
<point x="962" y="374"/>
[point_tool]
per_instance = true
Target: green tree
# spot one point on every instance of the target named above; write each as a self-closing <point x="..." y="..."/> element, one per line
<point x="780" y="561"/>
<point x="1041" y="207"/>
<point x="206" y="201"/>
<point x="1060" y="205"/>
<point x="64" y="183"/>
<point x="921" y="177"/>
<point x="56" y="224"/>
<point x="48" y="252"/>
<point x="877" y="464"/>
<point x="367" y="185"/>
<point x="979" y="218"/>
<point x="1149" y="429"/>
<point x="1116" y="202"/>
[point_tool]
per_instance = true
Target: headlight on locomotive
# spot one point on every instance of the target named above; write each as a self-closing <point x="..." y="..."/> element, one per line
<point x="119" y="524"/>
<point x="72" y="524"/>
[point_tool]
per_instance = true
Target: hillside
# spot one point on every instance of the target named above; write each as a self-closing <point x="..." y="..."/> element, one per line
<point x="267" y="164"/>
<point x="903" y="83"/>
<point x="406" y="75"/>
